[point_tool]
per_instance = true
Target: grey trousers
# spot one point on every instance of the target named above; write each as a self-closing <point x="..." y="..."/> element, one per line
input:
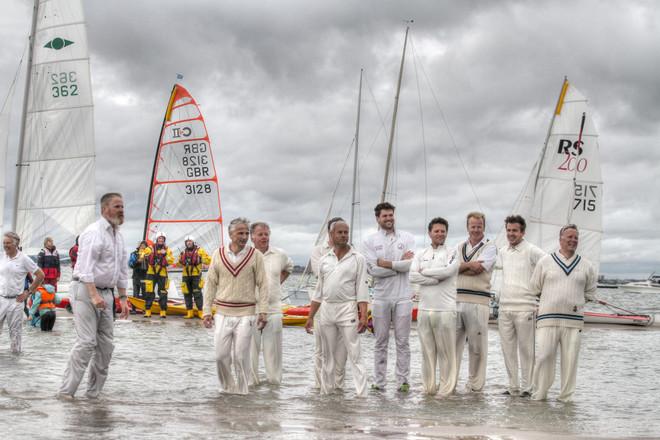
<point x="93" y="346"/>
<point x="386" y="312"/>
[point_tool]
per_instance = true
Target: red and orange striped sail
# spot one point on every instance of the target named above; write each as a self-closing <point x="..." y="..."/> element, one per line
<point x="184" y="198"/>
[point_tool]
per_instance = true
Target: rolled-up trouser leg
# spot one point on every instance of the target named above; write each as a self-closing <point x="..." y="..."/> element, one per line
<point x="474" y="319"/>
<point x="445" y="339"/>
<point x="85" y="320"/>
<point x="402" y="316"/>
<point x="509" y="342"/>
<point x="428" y="348"/>
<point x="382" y="317"/>
<point x="570" y="349"/>
<point x="98" y="367"/>
<point x="271" y="339"/>
<point x="544" y="368"/>
<point x="241" y="352"/>
<point x="223" y="341"/>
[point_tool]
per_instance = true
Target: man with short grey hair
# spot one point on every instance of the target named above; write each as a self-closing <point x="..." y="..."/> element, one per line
<point x="269" y="339"/>
<point x="102" y="266"/>
<point x="14" y="266"/>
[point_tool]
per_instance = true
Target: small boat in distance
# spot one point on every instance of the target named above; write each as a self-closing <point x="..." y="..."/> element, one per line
<point x="651" y="285"/>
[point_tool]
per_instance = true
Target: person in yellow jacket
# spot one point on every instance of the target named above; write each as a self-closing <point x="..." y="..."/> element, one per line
<point x="191" y="260"/>
<point x="159" y="256"/>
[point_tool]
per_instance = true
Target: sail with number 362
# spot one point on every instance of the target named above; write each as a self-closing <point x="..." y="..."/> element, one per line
<point x="184" y="198"/>
<point x="565" y="185"/>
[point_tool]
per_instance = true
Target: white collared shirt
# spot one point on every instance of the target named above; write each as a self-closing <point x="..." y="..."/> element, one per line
<point x="390" y="284"/>
<point x="276" y="262"/>
<point x="102" y="256"/>
<point x="13" y="272"/>
<point x="235" y="258"/>
<point x="342" y="280"/>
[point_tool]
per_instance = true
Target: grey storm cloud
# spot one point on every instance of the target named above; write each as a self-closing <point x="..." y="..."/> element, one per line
<point x="277" y="84"/>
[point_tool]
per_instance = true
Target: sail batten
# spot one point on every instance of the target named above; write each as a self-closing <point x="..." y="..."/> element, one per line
<point x="184" y="198"/>
<point x="55" y="187"/>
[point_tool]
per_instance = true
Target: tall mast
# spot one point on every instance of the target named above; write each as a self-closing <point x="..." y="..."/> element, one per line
<point x="26" y="95"/>
<point x="396" y="107"/>
<point x="166" y="118"/>
<point x="355" y="158"/>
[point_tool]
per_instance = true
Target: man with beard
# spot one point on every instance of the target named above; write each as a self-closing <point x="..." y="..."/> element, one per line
<point x="236" y="284"/>
<point x="159" y="256"/>
<point x="102" y="265"/>
<point x="191" y="260"/>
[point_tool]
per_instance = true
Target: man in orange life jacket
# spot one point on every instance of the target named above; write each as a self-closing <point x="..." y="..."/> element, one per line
<point x="42" y="311"/>
<point x="191" y="260"/>
<point x="48" y="261"/>
<point x="159" y="256"/>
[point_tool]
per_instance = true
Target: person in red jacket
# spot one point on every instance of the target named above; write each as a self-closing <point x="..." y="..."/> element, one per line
<point x="73" y="254"/>
<point x="48" y="261"/>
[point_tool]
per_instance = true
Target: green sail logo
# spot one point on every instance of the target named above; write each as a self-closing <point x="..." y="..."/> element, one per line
<point x="58" y="43"/>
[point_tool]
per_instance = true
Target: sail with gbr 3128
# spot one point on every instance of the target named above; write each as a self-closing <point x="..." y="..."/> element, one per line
<point x="184" y="198"/>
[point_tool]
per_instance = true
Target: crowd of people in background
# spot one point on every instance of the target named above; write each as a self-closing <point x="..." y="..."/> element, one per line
<point x="541" y="301"/>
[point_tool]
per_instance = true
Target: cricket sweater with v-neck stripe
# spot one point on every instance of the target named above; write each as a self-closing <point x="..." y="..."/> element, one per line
<point x="236" y="286"/>
<point x="474" y="289"/>
<point x="565" y="284"/>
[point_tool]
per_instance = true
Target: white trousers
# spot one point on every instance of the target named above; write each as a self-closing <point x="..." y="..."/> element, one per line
<point x="548" y="339"/>
<point x="385" y="313"/>
<point x="340" y="357"/>
<point x="437" y="338"/>
<point x="94" y="342"/>
<point x="517" y="340"/>
<point x="232" y="338"/>
<point x="12" y="312"/>
<point x="268" y="341"/>
<point x="340" y="319"/>
<point x="472" y="326"/>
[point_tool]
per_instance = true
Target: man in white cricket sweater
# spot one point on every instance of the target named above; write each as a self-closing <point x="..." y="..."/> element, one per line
<point x="565" y="281"/>
<point x="477" y="256"/>
<point x="389" y="255"/>
<point x="517" y="305"/>
<point x="435" y="270"/>
<point x="269" y="339"/>
<point x="340" y="292"/>
<point x="340" y="355"/>
<point x="236" y="284"/>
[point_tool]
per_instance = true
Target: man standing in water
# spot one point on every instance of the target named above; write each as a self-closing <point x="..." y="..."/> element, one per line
<point x="389" y="255"/>
<point x="517" y="305"/>
<point x="102" y="265"/>
<point x="236" y="284"/>
<point x="14" y="267"/>
<point x="340" y="291"/>
<point x="435" y="270"/>
<point x="278" y="268"/>
<point x="565" y="281"/>
<point x="477" y="256"/>
<point x="340" y="355"/>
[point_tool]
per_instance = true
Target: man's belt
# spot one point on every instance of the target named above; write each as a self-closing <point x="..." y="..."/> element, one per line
<point x="9" y="297"/>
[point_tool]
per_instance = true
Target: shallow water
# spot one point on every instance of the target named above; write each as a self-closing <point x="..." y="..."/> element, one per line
<point x="163" y="384"/>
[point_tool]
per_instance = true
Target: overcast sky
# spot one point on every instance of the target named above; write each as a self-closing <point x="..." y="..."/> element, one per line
<point x="277" y="84"/>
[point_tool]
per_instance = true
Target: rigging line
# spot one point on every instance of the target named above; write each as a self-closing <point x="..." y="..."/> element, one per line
<point x="421" y="114"/>
<point x="383" y="128"/>
<point x="18" y="71"/>
<point x="453" y="142"/>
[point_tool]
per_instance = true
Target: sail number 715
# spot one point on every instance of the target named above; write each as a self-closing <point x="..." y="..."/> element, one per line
<point x="198" y="188"/>
<point x="585" y="197"/>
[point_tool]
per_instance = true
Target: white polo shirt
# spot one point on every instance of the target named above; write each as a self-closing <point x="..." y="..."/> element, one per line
<point x="13" y="272"/>
<point x="276" y="261"/>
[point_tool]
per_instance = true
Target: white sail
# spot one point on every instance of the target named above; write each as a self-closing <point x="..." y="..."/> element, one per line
<point x="184" y="197"/>
<point x="55" y="193"/>
<point x="565" y="185"/>
<point x="5" y="114"/>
